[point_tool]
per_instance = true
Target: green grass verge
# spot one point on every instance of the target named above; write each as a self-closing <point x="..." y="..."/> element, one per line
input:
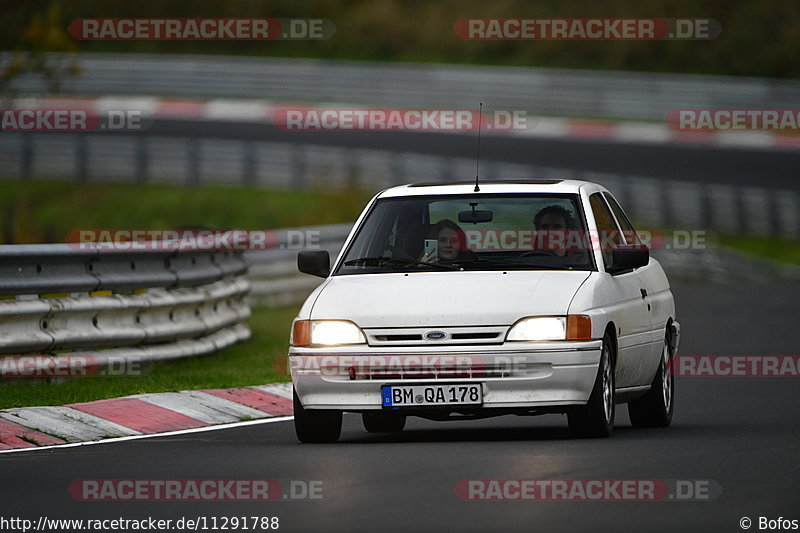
<point x="45" y="211"/>
<point x="776" y="249"/>
<point x="255" y="362"/>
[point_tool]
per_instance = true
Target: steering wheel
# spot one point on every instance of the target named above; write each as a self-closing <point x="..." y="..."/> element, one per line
<point x="400" y="252"/>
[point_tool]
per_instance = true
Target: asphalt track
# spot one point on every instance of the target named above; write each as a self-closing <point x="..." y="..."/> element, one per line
<point x="696" y="162"/>
<point x="741" y="433"/>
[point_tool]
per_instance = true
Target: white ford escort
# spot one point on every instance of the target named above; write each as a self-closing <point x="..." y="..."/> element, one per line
<point x="452" y="301"/>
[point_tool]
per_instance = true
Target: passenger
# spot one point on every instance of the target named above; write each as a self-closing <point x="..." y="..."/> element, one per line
<point x="451" y="243"/>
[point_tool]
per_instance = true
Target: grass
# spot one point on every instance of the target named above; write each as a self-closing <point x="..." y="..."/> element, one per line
<point x="45" y="211"/>
<point x="774" y="248"/>
<point x="255" y="362"/>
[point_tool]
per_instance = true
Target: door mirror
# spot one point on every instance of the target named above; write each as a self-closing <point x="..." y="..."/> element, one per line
<point x="314" y="262"/>
<point x="628" y="257"/>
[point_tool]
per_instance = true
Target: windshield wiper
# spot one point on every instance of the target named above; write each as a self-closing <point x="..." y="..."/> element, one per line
<point x="383" y="259"/>
<point x="511" y="262"/>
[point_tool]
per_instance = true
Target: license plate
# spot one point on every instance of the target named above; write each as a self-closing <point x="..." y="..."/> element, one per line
<point x="425" y="395"/>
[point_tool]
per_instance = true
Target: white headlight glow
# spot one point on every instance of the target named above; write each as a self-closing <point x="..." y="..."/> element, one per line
<point x="333" y="332"/>
<point x="544" y="328"/>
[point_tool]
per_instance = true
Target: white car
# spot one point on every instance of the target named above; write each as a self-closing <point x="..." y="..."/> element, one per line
<point x="451" y="301"/>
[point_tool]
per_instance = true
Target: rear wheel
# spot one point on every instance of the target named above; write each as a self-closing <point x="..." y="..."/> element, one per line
<point x="596" y="418"/>
<point x="312" y="425"/>
<point x="379" y="422"/>
<point x="654" y="409"/>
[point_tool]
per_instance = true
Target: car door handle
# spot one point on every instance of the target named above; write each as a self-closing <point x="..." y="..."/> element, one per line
<point x="644" y="293"/>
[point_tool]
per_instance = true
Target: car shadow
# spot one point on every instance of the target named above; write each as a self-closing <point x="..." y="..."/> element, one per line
<point x="553" y="430"/>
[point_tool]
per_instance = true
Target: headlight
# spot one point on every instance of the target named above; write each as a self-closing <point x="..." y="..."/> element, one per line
<point x="541" y="328"/>
<point x="325" y="333"/>
<point x="551" y="328"/>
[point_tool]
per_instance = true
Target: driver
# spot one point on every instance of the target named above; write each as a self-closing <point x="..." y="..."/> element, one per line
<point x="553" y="225"/>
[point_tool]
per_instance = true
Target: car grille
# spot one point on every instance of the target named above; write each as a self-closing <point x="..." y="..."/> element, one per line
<point x="461" y="335"/>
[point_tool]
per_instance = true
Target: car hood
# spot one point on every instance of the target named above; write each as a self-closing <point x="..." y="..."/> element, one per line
<point x="432" y="299"/>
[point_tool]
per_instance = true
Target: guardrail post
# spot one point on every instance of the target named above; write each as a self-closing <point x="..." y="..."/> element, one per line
<point x="26" y="156"/>
<point x="773" y="213"/>
<point x="81" y="157"/>
<point x="248" y="163"/>
<point x="740" y="213"/>
<point x="298" y="163"/>
<point x="353" y="171"/>
<point x="193" y="163"/>
<point x="668" y="218"/>
<point x="794" y="215"/>
<point x="795" y="232"/>
<point x="141" y="159"/>
<point x="707" y="214"/>
<point x="397" y="166"/>
<point x="446" y="166"/>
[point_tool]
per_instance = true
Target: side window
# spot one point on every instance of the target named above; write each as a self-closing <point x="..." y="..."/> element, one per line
<point x="628" y="232"/>
<point x="607" y="229"/>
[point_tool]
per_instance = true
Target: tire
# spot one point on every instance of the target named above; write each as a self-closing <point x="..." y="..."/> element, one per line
<point x="596" y="418"/>
<point x="654" y="409"/>
<point x="316" y="425"/>
<point x="379" y="422"/>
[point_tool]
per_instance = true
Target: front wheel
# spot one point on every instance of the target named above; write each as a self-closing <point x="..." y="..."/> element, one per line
<point x="654" y="409"/>
<point x="316" y="425"/>
<point x="596" y="418"/>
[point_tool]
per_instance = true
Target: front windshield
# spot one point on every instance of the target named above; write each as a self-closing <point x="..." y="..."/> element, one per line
<point x="471" y="232"/>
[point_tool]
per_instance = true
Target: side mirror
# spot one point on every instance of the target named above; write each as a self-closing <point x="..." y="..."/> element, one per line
<point x="314" y="262"/>
<point x="627" y="257"/>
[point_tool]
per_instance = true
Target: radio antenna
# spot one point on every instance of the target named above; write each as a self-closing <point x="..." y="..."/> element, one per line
<point x="478" y="154"/>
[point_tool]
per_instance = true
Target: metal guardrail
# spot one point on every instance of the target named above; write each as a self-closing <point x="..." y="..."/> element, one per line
<point x="116" y="305"/>
<point x="273" y="275"/>
<point x="584" y="93"/>
<point x="652" y="202"/>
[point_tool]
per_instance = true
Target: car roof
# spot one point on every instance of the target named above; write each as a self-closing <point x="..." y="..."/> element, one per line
<point x="488" y="186"/>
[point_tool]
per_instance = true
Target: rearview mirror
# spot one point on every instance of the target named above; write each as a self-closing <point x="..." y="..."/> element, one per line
<point x="314" y="262"/>
<point x="628" y="256"/>
<point x="475" y="216"/>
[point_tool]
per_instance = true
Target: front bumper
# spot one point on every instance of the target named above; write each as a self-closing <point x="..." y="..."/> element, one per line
<point x="524" y="375"/>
